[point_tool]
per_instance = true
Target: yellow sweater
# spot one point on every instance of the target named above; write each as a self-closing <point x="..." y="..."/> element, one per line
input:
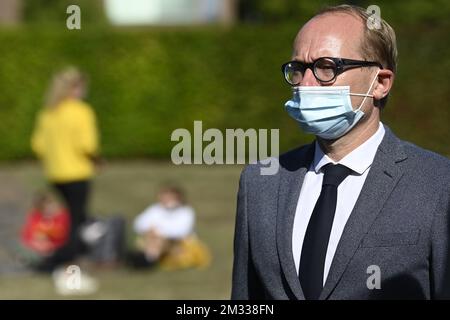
<point x="64" y="138"/>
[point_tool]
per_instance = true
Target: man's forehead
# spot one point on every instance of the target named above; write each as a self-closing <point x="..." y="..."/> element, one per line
<point x="329" y="34"/>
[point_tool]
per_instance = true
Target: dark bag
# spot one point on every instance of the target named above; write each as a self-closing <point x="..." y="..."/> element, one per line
<point x="105" y="239"/>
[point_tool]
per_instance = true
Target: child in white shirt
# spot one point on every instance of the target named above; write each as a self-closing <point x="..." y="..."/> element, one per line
<point x="166" y="234"/>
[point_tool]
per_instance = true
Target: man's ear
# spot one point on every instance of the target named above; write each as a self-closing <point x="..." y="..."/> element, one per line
<point x="383" y="84"/>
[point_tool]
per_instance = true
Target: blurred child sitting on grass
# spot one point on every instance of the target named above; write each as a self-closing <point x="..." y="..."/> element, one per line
<point x="46" y="227"/>
<point x="166" y="234"/>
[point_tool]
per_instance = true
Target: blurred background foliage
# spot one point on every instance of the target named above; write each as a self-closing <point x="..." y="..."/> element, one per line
<point x="147" y="81"/>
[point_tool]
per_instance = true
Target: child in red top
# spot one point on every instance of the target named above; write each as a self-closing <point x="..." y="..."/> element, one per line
<point x="47" y="226"/>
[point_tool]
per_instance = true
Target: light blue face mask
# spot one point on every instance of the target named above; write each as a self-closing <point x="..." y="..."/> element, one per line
<point x="326" y="112"/>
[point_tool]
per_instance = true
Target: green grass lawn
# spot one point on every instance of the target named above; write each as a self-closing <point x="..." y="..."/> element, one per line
<point x="126" y="188"/>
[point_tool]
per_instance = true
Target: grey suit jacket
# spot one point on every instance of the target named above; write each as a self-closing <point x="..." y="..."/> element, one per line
<point x="400" y="223"/>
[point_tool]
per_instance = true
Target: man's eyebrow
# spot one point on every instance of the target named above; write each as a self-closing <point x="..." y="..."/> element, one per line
<point x="300" y="60"/>
<point x="296" y="58"/>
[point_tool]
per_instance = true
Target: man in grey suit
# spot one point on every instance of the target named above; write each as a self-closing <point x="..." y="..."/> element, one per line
<point x="358" y="213"/>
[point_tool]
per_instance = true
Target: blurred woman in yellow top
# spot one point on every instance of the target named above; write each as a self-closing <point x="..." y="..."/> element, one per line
<point x="65" y="139"/>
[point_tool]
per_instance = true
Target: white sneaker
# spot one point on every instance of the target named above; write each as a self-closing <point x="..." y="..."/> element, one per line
<point x="71" y="281"/>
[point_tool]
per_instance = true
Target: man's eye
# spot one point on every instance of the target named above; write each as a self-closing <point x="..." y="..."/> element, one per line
<point x="325" y="67"/>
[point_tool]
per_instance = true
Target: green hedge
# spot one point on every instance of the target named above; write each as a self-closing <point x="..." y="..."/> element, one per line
<point x="147" y="82"/>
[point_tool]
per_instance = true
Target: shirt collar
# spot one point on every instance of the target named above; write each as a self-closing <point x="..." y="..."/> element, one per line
<point x="359" y="160"/>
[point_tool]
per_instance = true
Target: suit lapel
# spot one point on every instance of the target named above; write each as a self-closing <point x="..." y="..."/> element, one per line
<point x="381" y="180"/>
<point x="293" y="170"/>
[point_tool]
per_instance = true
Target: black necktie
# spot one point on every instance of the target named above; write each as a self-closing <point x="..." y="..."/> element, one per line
<point x="317" y="235"/>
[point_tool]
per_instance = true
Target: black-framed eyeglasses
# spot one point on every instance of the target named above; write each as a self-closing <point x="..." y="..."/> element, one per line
<point x="325" y="69"/>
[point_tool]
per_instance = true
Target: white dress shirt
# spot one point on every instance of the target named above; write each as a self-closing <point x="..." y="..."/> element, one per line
<point x="176" y="223"/>
<point x="359" y="160"/>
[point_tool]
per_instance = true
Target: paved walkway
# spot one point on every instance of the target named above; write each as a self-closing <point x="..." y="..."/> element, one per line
<point x="14" y="202"/>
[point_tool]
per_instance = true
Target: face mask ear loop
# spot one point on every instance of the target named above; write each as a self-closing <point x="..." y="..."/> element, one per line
<point x="367" y="93"/>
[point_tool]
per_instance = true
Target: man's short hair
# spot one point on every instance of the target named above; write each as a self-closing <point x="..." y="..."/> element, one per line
<point x="377" y="44"/>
